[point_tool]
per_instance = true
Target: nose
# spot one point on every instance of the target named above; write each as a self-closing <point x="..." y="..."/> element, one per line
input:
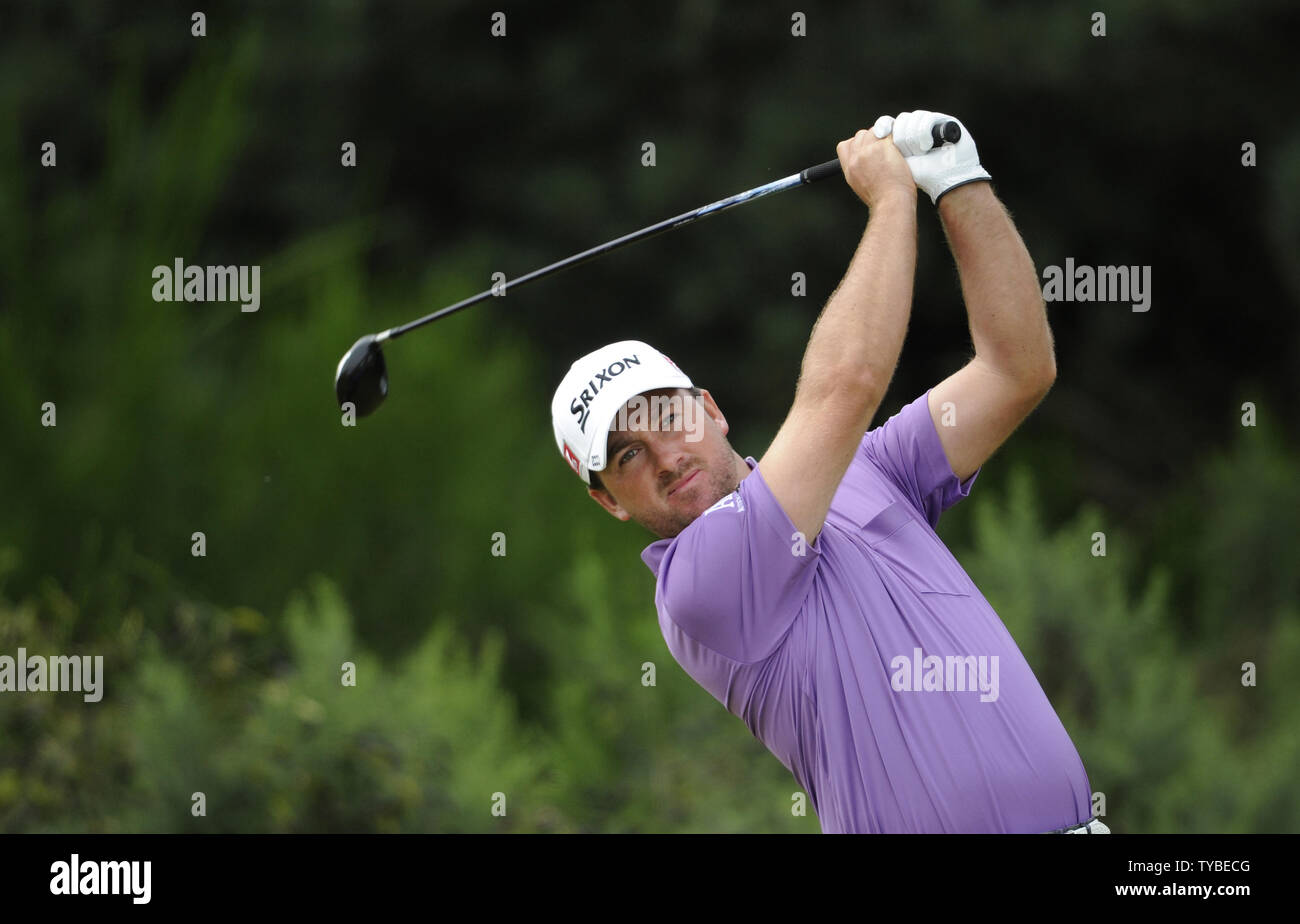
<point x="670" y="458"/>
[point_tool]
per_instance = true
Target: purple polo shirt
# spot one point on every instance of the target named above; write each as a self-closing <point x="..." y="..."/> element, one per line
<point x="870" y="665"/>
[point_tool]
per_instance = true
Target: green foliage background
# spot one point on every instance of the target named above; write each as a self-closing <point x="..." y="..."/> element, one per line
<point x="522" y="674"/>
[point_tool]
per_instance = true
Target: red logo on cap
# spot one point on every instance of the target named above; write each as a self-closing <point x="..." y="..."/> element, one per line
<point x="571" y="457"/>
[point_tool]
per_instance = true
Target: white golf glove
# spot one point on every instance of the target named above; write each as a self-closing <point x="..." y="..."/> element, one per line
<point x="935" y="170"/>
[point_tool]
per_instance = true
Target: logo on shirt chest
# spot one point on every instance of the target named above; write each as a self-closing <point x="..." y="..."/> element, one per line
<point x="731" y="501"/>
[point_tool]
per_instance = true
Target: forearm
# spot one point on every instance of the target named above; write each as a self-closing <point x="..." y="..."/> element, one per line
<point x="859" y="335"/>
<point x="1008" y="318"/>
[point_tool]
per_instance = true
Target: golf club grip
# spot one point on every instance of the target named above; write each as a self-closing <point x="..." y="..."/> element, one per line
<point x="941" y="131"/>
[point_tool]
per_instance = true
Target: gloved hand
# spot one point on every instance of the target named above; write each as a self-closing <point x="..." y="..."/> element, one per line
<point x="936" y="171"/>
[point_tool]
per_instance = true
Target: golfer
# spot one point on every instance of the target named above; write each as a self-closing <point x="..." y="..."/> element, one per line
<point x="807" y="591"/>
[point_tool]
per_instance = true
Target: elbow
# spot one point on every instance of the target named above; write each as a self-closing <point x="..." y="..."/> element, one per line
<point x="1041" y="381"/>
<point x="1030" y="378"/>
<point x="1047" y="376"/>
<point x="1049" y="366"/>
<point x="1035" y="369"/>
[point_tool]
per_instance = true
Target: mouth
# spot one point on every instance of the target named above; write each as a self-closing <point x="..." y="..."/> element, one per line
<point x="683" y="482"/>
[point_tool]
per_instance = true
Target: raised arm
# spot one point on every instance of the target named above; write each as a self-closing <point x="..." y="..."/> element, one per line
<point x="977" y="407"/>
<point x="855" y="344"/>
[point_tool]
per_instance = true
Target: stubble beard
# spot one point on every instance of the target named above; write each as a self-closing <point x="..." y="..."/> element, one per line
<point x="719" y="482"/>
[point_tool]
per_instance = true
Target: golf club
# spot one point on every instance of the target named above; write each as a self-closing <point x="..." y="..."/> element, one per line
<point x="362" y="377"/>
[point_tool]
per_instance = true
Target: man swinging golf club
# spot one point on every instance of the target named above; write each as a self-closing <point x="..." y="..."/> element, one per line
<point x="807" y="591"/>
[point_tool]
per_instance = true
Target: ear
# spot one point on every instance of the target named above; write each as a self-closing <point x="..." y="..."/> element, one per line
<point x="606" y="500"/>
<point x="711" y="408"/>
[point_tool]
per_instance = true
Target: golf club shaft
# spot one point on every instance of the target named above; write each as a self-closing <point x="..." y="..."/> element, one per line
<point x="948" y="131"/>
<point x="807" y="176"/>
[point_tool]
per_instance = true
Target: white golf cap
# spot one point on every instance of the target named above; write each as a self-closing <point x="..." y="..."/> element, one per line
<point x="593" y="392"/>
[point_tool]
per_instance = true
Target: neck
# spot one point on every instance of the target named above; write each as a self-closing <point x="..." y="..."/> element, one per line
<point x="743" y="470"/>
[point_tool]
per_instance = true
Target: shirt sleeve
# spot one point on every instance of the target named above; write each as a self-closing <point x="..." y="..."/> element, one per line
<point x="736" y="578"/>
<point x="907" y="450"/>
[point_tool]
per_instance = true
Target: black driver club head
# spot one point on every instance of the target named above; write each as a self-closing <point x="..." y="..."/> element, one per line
<point x="362" y="377"/>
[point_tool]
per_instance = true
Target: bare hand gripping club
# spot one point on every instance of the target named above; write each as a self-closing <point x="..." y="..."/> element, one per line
<point x="362" y="377"/>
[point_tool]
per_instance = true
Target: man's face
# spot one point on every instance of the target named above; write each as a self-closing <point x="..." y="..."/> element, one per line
<point x="668" y="461"/>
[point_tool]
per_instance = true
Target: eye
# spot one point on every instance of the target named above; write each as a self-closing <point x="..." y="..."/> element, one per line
<point x="627" y="455"/>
